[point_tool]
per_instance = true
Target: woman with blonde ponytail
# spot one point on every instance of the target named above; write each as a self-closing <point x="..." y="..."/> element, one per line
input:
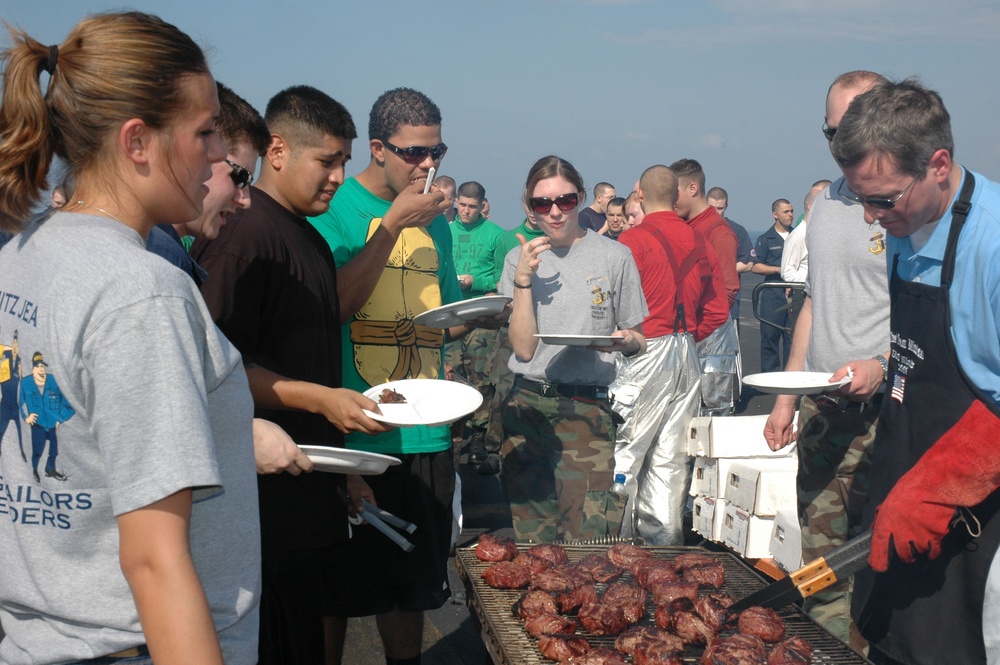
<point x="129" y="517"/>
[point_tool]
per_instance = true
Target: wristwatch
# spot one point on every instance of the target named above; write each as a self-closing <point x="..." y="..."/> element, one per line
<point x="885" y="366"/>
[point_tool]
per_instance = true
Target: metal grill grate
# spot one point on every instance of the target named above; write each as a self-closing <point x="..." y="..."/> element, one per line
<point x="510" y="644"/>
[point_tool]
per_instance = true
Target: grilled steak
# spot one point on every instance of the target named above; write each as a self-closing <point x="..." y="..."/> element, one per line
<point x="635" y="636"/>
<point x="624" y="554"/>
<point x="534" y="603"/>
<point x="561" y="648"/>
<point x="650" y="571"/>
<point x="712" y="608"/>
<point x="573" y="599"/>
<point x="491" y="547"/>
<point x="600" y="568"/>
<point x="658" y="653"/>
<point x="706" y="574"/>
<point x="664" y="592"/>
<point x="793" y="651"/>
<point x="683" y="561"/>
<point x="691" y="628"/>
<point x="762" y="622"/>
<point x="532" y="563"/>
<point x="554" y="580"/>
<point x="549" y="624"/>
<point x="735" y="650"/>
<point x="598" y="656"/>
<point x="554" y="554"/>
<point x="507" y="575"/>
<point x="602" y="618"/>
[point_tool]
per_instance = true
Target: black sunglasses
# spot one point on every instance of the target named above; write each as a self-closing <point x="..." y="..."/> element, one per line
<point x="543" y="204"/>
<point x="241" y="177"/>
<point x="828" y="131"/>
<point x="418" y="153"/>
<point x="882" y="204"/>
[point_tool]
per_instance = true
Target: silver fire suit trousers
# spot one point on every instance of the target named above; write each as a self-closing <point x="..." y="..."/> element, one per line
<point x="656" y="394"/>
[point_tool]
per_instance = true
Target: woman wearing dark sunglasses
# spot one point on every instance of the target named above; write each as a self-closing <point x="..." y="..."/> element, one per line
<point x="559" y="436"/>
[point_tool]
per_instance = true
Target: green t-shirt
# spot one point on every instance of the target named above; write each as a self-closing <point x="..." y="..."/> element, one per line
<point x="472" y="248"/>
<point x="380" y="344"/>
<point x="509" y="241"/>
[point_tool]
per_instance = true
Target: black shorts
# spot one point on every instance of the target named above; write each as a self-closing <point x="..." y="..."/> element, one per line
<point x="295" y="584"/>
<point x="377" y="575"/>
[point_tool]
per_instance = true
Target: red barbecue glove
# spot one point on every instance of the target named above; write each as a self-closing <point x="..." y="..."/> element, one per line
<point x="960" y="470"/>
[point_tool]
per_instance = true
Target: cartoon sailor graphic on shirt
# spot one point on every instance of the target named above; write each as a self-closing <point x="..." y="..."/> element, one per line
<point x="388" y="346"/>
<point x="10" y="381"/>
<point x="44" y="408"/>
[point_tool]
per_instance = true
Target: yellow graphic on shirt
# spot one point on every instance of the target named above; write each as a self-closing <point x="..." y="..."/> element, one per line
<point x="388" y="346"/>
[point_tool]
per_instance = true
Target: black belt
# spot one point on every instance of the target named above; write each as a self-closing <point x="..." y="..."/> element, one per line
<point x="110" y="659"/>
<point x="546" y="389"/>
<point x="827" y="403"/>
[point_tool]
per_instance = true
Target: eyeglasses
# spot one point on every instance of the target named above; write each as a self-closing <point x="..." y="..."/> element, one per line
<point x="828" y="131"/>
<point x="882" y="204"/>
<point x="418" y="153"/>
<point x="543" y="204"/>
<point x="241" y="177"/>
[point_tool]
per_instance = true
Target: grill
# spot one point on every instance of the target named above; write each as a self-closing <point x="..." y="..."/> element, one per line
<point x="510" y="644"/>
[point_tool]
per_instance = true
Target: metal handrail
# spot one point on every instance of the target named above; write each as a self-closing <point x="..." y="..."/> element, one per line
<point x="795" y="286"/>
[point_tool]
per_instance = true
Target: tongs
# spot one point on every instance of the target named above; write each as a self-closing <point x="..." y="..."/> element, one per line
<point x="381" y="519"/>
<point x="815" y="576"/>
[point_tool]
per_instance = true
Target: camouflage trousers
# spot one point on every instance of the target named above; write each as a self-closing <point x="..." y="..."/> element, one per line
<point x="557" y="470"/>
<point x="835" y="451"/>
<point x="503" y="381"/>
<point x="470" y="359"/>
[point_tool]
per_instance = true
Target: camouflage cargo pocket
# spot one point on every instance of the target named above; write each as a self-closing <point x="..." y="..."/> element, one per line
<point x="603" y="512"/>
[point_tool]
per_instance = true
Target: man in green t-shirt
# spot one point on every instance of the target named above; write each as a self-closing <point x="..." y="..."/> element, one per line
<point x="473" y="239"/>
<point x="392" y="248"/>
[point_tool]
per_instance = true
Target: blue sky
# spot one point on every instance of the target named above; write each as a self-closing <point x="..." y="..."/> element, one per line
<point x="612" y="85"/>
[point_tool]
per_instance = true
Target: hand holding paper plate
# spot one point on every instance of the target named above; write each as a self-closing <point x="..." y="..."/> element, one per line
<point x="794" y="383"/>
<point x="428" y="402"/>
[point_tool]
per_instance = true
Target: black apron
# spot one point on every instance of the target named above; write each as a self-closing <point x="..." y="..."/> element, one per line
<point x="928" y="612"/>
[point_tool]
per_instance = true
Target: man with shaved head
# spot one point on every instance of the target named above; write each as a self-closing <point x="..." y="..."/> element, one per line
<point x="657" y="393"/>
<point x="594" y="216"/>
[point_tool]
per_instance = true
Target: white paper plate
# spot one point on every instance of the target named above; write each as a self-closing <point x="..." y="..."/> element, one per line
<point x="344" y="460"/>
<point x="428" y="402"/>
<point x="459" y="313"/>
<point x="578" y="340"/>
<point x="794" y="383"/>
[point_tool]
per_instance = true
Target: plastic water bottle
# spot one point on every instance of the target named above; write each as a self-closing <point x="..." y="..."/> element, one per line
<point x="619" y="485"/>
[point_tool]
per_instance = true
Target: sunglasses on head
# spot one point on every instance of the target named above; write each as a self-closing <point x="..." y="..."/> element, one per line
<point x="418" y="153"/>
<point x="241" y="177"/>
<point x="829" y="132"/>
<point x="880" y="203"/>
<point x="543" y="204"/>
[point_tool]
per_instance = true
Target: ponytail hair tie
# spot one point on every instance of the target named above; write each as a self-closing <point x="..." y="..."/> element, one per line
<point x="51" y="60"/>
